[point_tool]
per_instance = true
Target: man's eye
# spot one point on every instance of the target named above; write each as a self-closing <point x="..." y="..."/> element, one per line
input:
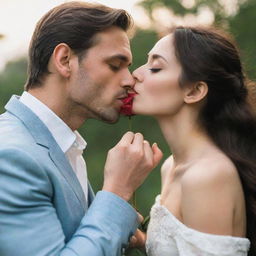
<point x="114" y="67"/>
<point x="154" y="70"/>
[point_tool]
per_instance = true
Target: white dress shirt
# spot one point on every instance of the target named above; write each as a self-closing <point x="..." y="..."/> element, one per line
<point x="71" y="143"/>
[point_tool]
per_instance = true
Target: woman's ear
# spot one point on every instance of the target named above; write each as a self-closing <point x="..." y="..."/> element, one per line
<point x="61" y="59"/>
<point x="196" y="92"/>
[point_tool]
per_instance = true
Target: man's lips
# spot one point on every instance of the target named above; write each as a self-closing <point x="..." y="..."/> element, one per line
<point x="121" y="98"/>
<point x="124" y="96"/>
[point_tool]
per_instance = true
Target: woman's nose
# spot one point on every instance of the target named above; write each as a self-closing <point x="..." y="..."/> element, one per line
<point x="137" y="74"/>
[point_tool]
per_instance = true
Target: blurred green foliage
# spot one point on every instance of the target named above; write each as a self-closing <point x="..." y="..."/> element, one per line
<point x="243" y="28"/>
<point x="100" y="136"/>
<point x="12" y="80"/>
<point x="179" y="7"/>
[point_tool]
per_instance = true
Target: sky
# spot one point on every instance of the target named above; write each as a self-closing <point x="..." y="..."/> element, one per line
<point x="18" y="19"/>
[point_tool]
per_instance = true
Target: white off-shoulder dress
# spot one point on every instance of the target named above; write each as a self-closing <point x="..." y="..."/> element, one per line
<point x="167" y="236"/>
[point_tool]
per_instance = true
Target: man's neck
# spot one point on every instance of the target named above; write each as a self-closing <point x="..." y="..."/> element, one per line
<point x="58" y="102"/>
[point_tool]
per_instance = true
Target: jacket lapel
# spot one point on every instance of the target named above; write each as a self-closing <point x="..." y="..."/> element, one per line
<point x="44" y="138"/>
<point x="63" y="165"/>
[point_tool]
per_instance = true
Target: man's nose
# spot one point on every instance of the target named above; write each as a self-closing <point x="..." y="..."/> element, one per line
<point x="129" y="81"/>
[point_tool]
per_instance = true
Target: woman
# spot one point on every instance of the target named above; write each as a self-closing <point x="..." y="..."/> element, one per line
<point x="193" y="84"/>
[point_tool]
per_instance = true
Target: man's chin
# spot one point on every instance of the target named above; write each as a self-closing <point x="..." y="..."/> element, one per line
<point x="111" y="121"/>
<point x="110" y="118"/>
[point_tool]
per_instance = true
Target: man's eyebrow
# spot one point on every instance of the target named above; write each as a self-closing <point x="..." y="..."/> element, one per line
<point x="121" y="57"/>
<point x="157" y="56"/>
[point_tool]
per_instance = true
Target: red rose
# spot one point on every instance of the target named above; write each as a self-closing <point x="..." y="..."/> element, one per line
<point x="126" y="108"/>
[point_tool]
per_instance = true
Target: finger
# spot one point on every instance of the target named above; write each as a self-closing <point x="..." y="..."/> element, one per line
<point x="140" y="239"/>
<point x="133" y="241"/>
<point x="140" y="217"/>
<point x="148" y="151"/>
<point x="138" y="140"/>
<point x="127" y="139"/>
<point x="157" y="154"/>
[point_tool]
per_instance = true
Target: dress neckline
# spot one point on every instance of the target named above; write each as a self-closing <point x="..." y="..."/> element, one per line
<point x="191" y="230"/>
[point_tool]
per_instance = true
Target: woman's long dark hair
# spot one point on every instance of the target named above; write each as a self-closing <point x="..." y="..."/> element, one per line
<point x="206" y="54"/>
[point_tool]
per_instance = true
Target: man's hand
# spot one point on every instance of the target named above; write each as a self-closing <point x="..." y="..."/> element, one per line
<point x="129" y="163"/>
<point x="138" y="240"/>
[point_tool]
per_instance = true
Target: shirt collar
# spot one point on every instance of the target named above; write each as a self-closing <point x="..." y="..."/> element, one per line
<point x="56" y="126"/>
<point x="79" y="143"/>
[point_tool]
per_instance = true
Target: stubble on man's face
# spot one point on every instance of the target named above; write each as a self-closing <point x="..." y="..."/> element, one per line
<point x="91" y="99"/>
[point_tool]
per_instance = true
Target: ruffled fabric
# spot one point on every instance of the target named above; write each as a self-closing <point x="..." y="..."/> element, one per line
<point x="166" y="235"/>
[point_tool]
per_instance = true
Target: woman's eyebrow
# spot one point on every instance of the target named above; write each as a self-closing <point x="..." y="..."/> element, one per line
<point x="156" y="56"/>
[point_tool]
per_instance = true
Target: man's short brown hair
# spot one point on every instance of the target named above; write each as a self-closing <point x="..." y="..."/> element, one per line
<point x="73" y="23"/>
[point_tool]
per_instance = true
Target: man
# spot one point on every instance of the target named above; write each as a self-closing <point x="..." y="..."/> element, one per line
<point x="78" y="69"/>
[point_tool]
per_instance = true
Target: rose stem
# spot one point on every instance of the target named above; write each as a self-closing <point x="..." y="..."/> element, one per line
<point x="134" y="203"/>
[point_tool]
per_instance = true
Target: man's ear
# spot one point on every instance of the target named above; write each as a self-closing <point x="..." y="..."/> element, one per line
<point x="61" y="59"/>
<point x="196" y="92"/>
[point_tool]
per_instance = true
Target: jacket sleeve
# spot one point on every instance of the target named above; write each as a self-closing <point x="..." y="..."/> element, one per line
<point x="30" y="226"/>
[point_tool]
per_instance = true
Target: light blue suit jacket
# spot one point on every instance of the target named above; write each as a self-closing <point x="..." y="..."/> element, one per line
<point x="42" y="205"/>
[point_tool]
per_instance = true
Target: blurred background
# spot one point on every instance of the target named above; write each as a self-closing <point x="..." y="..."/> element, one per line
<point x="153" y="18"/>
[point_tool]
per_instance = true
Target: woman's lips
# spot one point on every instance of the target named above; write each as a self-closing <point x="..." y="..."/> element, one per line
<point x="135" y="91"/>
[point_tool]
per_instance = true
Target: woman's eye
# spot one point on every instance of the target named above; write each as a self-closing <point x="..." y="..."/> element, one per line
<point x="154" y="70"/>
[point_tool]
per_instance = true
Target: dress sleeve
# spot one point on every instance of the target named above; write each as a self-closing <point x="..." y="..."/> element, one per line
<point x="168" y="236"/>
<point x="191" y="242"/>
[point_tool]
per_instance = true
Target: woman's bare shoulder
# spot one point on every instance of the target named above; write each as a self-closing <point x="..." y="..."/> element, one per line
<point x="214" y="169"/>
<point x="209" y="188"/>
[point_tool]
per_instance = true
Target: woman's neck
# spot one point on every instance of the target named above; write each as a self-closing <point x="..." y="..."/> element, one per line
<point x="186" y="140"/>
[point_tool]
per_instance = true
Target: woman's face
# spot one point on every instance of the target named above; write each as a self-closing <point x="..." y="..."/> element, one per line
<point x="157" y="86"/>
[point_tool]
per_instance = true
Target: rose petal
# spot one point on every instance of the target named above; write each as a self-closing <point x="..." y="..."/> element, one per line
<point x="126" y="108"/>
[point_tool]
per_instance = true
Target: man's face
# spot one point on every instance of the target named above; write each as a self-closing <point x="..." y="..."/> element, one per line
<point x="99" y="81"/>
